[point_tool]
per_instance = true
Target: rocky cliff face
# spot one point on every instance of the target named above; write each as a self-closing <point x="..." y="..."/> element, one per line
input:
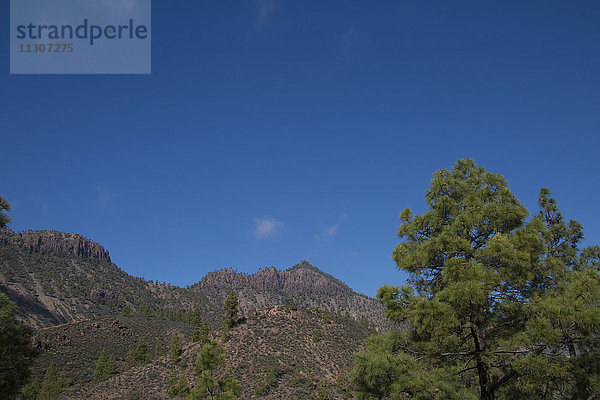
<point x="45" y="242"/>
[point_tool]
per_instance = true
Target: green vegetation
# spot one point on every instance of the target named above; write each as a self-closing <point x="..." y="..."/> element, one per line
<point x="16" y="354"/>
<point x="316" y="336"/>
<point x="230" y="311"/>
<point x="499" y="307"/>
<point x="210" y="357"/>
<point x="324" y="391"/>
<point x="201" y="334"/>
<point x="4" y="206"/>
<point x="158" y="350"/>
<point x="343" y="387"/>
<point x="106" y="366"/>
<point x="267" y="380"/>
<point x="75" y="347"/>
<point x="291" y="306"/>
<point x="177" y="385"/>
<point x="140" y="355"/>
<point x="50" y="387"/>
<point x="175" y="349"/>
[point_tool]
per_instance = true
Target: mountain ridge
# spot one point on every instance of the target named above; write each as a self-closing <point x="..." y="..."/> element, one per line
<point x="58" y="277"/>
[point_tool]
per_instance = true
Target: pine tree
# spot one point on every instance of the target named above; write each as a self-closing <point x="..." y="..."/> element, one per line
<point x="292" y="306"/>
<point x="54" y="383"/>
<point x="230" y="311"/>
<point x="202" y="336"/>
<point x="4" y="206"/>
<point x="210" y="357"/>
<point x="498" y="306"/>
<point x="106" y="366"/>
<point x="177" y="386"/>
<point x="16" y="353"/>
<point x="158" y="347"/>
<point x="197" y="333"/>
<point x="140" y="355"/>
<point x="175" y="349"/>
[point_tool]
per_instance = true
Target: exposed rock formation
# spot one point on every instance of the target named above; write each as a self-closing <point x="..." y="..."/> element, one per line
<point x="45" y="242"/>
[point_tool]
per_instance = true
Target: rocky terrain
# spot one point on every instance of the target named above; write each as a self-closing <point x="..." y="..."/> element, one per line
<point x="57" y="278"/>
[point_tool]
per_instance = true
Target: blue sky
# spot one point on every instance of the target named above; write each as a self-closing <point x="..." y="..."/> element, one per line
<point x="271" y="132"/>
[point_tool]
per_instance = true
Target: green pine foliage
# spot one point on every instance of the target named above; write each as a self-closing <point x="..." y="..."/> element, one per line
<point x="31" y="390"/>
<point x="106" y="366"/>
<point x="53" y="384"/>
<point x="210" y="358"/>
<point x="196" y="334"/>
<point x="16" y="353"/>
<point x="230" y="311"/>
<point x="201" y="334"/>
<point x="175" y="349"/>
<point x="177" y="385"/>
<point x="499" y="307"/>
<point x="140" y="355"/>
<point x="4" y="206"/>
<point x="343" y="387"/>
<point x="324" y="391"/>
<point x="268" y="380"/>
<point x="158" y="348"/>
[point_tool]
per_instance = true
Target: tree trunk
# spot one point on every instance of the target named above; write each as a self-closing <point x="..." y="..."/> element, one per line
<point x="486" y="392"/>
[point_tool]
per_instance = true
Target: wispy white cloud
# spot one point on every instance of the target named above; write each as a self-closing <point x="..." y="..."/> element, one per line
<point x="352" y="38"/>
<point x="105" y="195"/>
<point x="266" y="226"/>
<point x="265" y="9"/>
<point x="330" y="230"/>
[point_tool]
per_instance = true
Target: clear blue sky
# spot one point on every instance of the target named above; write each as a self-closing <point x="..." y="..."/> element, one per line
<point x="275" y="131"/>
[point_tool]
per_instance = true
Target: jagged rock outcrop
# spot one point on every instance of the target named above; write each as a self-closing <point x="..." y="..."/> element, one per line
<point x="45" y="242"/>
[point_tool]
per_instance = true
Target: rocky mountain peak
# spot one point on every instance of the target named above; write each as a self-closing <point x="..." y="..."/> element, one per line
<point x="302" y="276"/>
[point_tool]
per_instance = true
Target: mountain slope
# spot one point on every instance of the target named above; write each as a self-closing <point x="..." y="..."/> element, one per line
<point x="76" y="346"/>
<point x="303" y="352"/>
<point x="56" y="278"/>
